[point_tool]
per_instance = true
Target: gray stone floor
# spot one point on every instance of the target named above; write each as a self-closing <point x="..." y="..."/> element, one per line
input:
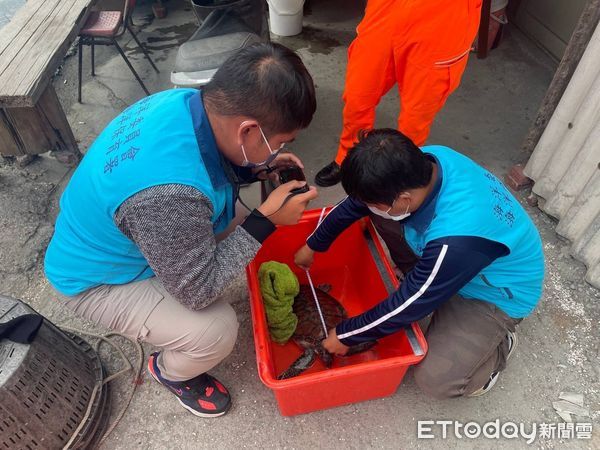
<point x="486" y="119"/>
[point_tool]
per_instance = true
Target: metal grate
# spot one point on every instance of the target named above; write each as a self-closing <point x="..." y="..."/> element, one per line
<point x="46" y="387"/>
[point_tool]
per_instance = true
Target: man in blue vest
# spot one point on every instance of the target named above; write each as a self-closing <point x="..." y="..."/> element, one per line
<point x="146" y="241"/>
<point x="474" y="258"/>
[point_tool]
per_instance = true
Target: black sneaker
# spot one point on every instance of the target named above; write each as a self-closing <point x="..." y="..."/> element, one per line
<point x="328" y="175"/>
<point x="203" y="395"/>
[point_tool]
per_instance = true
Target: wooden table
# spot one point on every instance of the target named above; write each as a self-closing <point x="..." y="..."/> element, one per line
<point x="32" y="46"/>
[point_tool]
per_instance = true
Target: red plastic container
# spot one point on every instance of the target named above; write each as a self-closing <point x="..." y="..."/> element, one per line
<point x="350" y="269"/>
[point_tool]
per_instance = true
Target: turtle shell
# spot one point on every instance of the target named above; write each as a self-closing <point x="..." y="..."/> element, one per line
<point x="309" y="323"/>
<point x="309" y="331"/>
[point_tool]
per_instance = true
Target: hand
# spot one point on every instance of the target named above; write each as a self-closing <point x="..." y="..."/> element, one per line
<point x="280" y="161"/>
<point x="333" y="345"/>
<point x="287" y="159"/>
<point x="304" y="257"/>
<point x="282" y="212"/>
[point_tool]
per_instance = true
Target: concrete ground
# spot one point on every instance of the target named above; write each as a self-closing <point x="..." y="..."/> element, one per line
<point x="486" y="119"/>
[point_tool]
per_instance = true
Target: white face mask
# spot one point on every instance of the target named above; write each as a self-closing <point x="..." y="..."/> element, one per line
<point x="387" y="215"/>
<point x="266" y="162"/>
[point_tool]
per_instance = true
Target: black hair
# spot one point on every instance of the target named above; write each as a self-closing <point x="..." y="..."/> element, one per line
<point x="383" y="164"/>
<point x="267" y="82"/>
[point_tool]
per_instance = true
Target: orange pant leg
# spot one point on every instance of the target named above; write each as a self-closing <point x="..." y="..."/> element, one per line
<point x="401" y="42"/>
<point x="369" y="75"/>
<point x="429" y="65"/>
<point x="423" y="94"/>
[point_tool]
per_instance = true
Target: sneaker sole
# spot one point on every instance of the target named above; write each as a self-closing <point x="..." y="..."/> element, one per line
<point x="515" y="342"/>
<point x="481" y="391"/>
<point x="205" y="415"/>
<point x="192" y="410"/>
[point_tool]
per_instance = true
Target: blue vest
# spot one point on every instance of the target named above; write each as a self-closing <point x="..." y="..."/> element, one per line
<point x="163" y="139"/>
<point x="473" y="202"/>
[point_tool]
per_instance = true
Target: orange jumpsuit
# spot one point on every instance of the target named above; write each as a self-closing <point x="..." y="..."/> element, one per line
<point x="421" y="45"/>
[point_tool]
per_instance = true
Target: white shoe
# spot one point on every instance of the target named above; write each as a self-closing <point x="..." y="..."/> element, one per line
<point x="487" y="386"/>
<point x="512" y="343"/>
<point x="511" y="337"/>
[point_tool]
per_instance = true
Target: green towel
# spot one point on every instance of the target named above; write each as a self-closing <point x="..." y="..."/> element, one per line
<point x="279" y="286"/>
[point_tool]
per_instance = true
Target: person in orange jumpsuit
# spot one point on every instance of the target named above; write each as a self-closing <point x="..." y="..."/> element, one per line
<point x="423" y="47"/>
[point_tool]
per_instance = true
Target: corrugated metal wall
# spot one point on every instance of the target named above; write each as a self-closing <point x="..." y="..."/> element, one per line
<point x="565" y="164"/>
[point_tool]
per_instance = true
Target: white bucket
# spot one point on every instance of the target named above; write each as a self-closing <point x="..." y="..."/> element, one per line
<point x="285" y="17"/>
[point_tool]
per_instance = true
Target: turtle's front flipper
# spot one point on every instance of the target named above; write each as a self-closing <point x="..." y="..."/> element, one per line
<point x="304" y="361"/>
<point x="359" y="348"/>
<point x="325" y="356"/>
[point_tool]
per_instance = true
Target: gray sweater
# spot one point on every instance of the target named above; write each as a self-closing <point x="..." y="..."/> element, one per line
<point x="171" y="226"/>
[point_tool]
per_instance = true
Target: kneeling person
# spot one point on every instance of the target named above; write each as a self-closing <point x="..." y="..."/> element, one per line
<point x="474" y="258"/>
<point x="146" y="240"/>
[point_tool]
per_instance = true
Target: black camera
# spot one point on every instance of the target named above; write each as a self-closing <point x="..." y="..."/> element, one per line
<point x="293" y="173"/>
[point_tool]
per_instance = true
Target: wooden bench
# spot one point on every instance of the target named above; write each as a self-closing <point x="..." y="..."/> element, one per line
<point x="32" y="46"/>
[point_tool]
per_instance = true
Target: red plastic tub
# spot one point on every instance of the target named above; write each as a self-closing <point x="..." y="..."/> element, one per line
<point x="350" y="269"/>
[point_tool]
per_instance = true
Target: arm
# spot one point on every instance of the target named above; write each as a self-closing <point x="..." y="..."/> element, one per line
<point x="344" y="214"/>
<point x="446" y="266"/>
<point x="171" y="226"/>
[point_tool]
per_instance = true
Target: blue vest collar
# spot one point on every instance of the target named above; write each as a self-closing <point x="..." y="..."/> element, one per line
<point x="217" y="167"/>
<point x="211" y="156"/>
<point x="422" y="217"/>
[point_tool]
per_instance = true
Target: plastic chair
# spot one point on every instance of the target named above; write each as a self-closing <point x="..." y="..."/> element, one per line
<point x="103" y="28"/>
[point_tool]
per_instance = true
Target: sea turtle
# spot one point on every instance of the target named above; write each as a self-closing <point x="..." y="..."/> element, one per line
<point x="309" y="332"/>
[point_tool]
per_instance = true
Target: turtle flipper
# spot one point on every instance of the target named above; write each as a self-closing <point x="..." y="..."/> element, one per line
<point x="359" y="348"/>
<point x="325" y="356"/>
<point x="304" y="361"/>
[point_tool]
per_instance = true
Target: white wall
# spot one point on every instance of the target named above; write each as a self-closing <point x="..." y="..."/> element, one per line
<point x="565" y="164"/>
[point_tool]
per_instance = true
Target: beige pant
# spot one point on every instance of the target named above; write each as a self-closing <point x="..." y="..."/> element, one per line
<point x="192" y="342"/>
